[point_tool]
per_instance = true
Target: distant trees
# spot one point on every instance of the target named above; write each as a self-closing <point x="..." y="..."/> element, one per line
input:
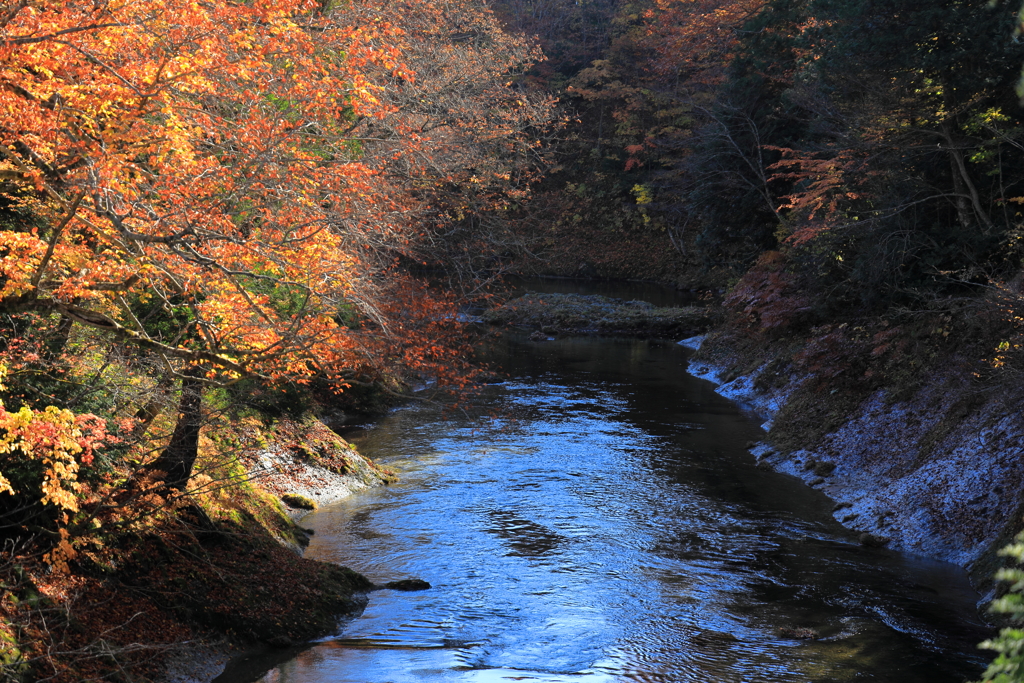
<point x="462" y="136"/>
<point x="893" y="140"/>
<point x="907" y="169"/>
<point x="640" y="103"/>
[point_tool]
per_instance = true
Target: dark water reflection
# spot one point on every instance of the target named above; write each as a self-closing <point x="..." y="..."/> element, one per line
<point x="607" y="524"/>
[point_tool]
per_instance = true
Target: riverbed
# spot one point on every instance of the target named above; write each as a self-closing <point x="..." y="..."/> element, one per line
<point x="597" y="517"/>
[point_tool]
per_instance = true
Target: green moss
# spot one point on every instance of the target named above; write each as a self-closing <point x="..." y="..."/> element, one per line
<point x="232" y="497"/>
<point x="13" y="667"/>
<point x="297" y="500"/>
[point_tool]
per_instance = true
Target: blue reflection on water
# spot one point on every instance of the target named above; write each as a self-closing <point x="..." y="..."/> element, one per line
<point x="609" y="525"/>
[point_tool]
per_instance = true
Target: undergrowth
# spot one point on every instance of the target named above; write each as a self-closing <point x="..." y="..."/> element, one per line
<point x="832" y="361"/>
<point x="160" y="569"/>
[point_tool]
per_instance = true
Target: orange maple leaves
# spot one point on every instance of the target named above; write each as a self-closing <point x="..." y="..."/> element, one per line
<point x="218" y="189"/>
<point x="169" y="147"/>
<point x="695" y="39"/>
<point x="207" y="155"/>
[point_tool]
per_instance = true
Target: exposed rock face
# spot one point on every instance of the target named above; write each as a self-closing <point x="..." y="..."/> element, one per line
<point x="308" y="466"/>
<point x="284" y="473"/>
<point x="921" y="474"/>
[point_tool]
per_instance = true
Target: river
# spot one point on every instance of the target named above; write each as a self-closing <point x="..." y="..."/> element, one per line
<point x="596" y="517"/>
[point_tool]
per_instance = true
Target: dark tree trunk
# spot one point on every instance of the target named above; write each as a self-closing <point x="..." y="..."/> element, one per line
<point x="179" y="457"/>
<point x="147" y="413"/>
<point x="56" y="344"/>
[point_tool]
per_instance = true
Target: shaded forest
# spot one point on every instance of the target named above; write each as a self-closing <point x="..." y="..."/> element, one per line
<point x="846" y="175"/>
<point x="876" y="146"/>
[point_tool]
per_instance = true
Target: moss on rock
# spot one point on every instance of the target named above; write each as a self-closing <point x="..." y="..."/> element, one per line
<point x="297" y="500"/>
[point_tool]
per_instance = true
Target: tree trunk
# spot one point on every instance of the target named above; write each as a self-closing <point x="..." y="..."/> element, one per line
<point x="147" y="413"/>
<point x="963" y="186"/>
<point x="56" y="344"/>
<point x="180" y="455"/>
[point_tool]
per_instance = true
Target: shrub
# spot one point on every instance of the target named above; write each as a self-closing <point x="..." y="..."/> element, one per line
<point x="43" y="451"/>
<point x="1008" y="666"/>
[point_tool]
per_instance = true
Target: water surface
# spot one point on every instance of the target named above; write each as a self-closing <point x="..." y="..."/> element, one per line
<point x="598" y="518"/>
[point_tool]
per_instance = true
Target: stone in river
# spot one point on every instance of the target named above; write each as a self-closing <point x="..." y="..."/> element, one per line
<point x="408" y="585"/>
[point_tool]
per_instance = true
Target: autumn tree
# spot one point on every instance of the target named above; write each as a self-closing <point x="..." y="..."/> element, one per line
<point x="462" y="137"/>
<point x="194" y="184"/>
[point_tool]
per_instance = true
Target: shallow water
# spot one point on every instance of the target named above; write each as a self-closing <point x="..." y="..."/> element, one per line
<point x="598" y="518"/>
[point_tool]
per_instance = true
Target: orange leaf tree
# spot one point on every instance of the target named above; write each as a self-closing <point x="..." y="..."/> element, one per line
<point x="188" y="181"/>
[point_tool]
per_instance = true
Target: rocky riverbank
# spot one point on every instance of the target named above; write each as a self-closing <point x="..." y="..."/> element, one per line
<point x="553" y="314"/>
<point x="894" y="422"/>
<point x="295" y="466"/>
<point x="302" y="465"/>
<point x="307" y="465"/>
<point x="177" y="582"/>
<point x="937" y="470"/>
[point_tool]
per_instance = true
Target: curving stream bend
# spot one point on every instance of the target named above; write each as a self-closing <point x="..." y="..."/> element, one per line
<point x="598" y="518"/>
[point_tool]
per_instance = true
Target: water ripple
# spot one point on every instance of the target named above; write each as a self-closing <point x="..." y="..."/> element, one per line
<point x="610" y="526"/>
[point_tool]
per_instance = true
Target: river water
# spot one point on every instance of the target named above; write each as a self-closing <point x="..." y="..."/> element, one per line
<point x="597" y="518"/>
